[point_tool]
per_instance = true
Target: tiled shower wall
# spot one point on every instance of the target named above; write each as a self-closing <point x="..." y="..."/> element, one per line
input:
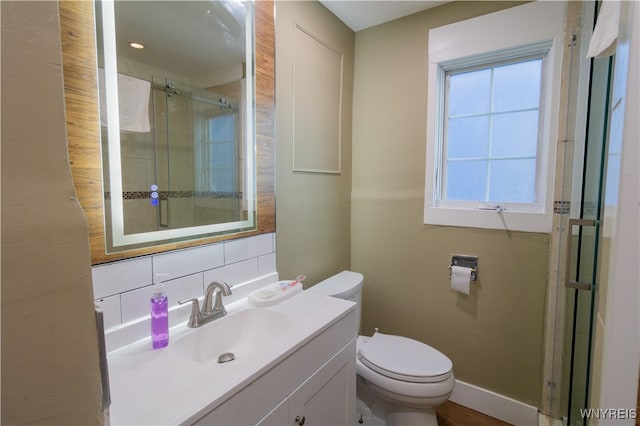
<point x="123" y="289"/>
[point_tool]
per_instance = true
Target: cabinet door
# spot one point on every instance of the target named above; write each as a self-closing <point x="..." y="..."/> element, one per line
<point x="327" y="397"/>
<point x="279" y="416"/>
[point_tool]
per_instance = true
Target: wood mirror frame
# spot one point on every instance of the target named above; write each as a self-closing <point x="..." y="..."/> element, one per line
<point x="83" y="125"/>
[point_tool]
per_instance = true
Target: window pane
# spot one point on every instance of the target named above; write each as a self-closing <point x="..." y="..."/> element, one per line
<point x="515" y="134"/>
<point x="220" y="154"/>
<point x="493" y="118"/>
<point x="513" y="181"/>
<point x="466" y="180"/>
<point x="221" y="128"/>
<point x="468" y="137"/>
<point x="517" y="86"/>
<point x="469" y="93"/>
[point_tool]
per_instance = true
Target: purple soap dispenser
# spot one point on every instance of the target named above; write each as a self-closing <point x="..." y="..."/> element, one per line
<point x="159" y="315"/>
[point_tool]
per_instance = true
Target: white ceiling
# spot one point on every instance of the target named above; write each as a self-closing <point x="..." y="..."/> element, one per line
<point x="186" y="38"/>
<point x="361" y="14"/>
<point x="189" y="40"/>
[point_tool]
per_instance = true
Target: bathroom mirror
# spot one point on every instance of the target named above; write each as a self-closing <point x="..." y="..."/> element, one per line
<point x="183" y="114"/>
<point x="177" y="117"/>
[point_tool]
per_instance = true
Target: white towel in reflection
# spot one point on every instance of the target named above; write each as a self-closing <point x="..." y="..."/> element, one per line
<point x="133" y="103"/>
<point x="605" y="35"/>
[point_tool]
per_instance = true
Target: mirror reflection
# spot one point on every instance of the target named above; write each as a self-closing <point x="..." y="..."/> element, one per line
<point x="176" y="88"/>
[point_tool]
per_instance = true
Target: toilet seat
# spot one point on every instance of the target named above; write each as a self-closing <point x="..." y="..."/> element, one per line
<point x="404" y="359"/>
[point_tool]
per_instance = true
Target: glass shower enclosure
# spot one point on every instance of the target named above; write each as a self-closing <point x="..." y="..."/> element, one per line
<point x="580" y="223"/>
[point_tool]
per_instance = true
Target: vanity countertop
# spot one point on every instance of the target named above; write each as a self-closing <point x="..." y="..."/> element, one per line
<point x="166" y="387"/>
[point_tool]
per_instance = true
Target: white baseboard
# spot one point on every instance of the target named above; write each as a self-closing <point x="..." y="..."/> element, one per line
<point x="495" y="405"/>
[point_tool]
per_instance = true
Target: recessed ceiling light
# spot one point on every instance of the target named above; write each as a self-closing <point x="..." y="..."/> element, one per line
<point x="136" y="45"/>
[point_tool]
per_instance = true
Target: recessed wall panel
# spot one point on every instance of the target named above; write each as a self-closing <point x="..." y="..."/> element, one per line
<point x="317" y="99"/>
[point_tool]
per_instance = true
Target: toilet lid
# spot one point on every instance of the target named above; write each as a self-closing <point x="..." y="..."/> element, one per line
<point x="404" y="359"/>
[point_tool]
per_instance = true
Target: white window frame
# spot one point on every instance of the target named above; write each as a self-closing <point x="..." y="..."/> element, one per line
<point x="511" y="33"/>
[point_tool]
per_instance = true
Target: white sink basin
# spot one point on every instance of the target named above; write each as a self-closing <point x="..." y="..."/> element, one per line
<point x="241" y="333"/>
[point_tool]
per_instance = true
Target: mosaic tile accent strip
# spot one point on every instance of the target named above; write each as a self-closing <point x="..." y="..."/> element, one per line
<point x="561" y="207"/>
<point x="136" y="195"/>
<point x="589" y="208"/>
<point x="165" y="195"/>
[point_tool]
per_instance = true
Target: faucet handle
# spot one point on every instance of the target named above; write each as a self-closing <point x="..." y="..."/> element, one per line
<point x="196" y="316"/>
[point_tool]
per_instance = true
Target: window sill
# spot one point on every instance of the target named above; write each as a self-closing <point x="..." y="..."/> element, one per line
<point x="488" y="219"/>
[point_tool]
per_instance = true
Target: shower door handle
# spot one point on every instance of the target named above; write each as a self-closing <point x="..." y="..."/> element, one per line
<point x="569" y="283"/>
<point x="163" y="211"/>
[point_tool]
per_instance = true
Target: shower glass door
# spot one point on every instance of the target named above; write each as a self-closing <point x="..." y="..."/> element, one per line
<point x="583" y="235"/>
<point x="200" y="152"/>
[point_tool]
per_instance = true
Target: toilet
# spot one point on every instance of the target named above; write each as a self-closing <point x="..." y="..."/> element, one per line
<point x="400" y="380"/>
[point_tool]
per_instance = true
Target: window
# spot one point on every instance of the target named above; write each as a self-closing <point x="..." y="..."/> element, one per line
<point x="217" y="159"/>
<point x="491" y="133"/>
<point x="221" y="167"/>
<point x="492" y="122"/>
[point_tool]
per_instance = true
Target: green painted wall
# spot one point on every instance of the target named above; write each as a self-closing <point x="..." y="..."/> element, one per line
<point x="313" y="214"/>
<point x="494" y="336"/>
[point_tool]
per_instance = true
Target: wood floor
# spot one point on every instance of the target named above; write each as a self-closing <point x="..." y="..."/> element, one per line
<point x="452" y="414"/>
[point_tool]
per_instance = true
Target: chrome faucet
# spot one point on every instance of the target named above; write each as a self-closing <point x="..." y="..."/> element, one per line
<point x="208" y="313"/>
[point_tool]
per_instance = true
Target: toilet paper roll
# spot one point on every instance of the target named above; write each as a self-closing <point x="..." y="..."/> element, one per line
<point x="460" y="279"/>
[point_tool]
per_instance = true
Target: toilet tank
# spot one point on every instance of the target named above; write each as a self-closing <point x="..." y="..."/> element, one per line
<point x="346" y="285"/>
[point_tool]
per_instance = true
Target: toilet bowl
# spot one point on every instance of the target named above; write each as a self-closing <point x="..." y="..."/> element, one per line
<point x="406" y="377"/>
<point x="412" y="376"/>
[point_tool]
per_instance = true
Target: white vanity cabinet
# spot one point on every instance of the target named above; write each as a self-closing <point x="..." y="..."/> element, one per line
<point x="314" y="385"/>
<point x="326" y="398"/>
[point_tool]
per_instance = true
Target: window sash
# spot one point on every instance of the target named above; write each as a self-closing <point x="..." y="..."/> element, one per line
<point x="490" y="61"/>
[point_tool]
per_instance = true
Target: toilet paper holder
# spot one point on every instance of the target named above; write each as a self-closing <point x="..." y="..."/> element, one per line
<point x="465" y="262"/>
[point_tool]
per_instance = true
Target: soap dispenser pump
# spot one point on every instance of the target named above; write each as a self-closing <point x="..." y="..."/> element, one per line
<point x="159" y="314"/>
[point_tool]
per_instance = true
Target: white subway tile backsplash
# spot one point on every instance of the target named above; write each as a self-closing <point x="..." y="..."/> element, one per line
<point x="136" y="303"/>
<point x="118" y="277"/>
<point x="110" y="310"/>
<point x="188" y="287"/>
<point x="267" y="264"/>
<point x="246" y="248"/>
<point x="242" y="291"/>
<point x="233" y="274"/>
<point x="189" y="261"/>
<point x="123" y="289"/>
